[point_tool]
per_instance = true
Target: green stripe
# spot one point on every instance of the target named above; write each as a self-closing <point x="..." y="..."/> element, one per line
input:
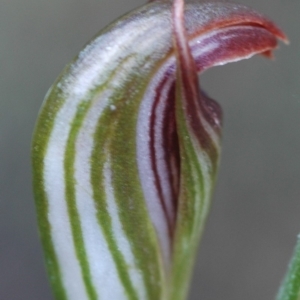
<point x="70" y="194"/>
<point x="98" y="160"/>
<point x="40" y="142"/>
<point x="41" y="137"/>
<point x="45" y="232"/>
<point x="69" y="161"/>
<point x="132" y="209"/>
<point x="102" y="135"/>
<point x="190" y="222"/>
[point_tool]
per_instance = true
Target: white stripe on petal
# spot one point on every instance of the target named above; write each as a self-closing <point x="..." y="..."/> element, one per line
<point x="120" y="237"/>
<point x="145" y="165"/>
<point x="102" y="267"/>
<point x="57" y="207"/>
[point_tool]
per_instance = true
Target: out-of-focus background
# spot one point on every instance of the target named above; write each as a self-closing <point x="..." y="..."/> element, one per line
<point x="255" y="217"/>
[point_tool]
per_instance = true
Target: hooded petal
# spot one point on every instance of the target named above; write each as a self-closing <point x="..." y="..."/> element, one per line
<point x="125" y="151"/>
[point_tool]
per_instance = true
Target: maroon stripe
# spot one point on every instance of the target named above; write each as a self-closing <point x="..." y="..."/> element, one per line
<point x="171" y="146"/>
<point x="244" y="35"/>
<point x="153" y="155"/>
<point x="192" y="103"/>
<point x="236" y="41"/>
<point x="240" y="41"/>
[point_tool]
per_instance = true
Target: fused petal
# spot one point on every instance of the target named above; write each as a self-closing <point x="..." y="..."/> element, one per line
<point x="126" y="149"/>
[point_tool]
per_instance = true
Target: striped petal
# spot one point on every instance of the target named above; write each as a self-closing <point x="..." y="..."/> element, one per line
<point x="126" y="149"/>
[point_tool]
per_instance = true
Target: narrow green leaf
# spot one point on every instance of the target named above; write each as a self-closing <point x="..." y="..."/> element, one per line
<point x="290" y="287"/>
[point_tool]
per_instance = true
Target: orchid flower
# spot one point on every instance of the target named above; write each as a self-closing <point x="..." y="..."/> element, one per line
<point x="127" y="146"/>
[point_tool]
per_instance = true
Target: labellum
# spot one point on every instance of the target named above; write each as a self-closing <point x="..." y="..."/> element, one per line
<point x="126" y="149"/>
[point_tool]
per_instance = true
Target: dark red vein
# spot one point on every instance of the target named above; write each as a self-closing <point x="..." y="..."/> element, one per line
<point x="153" y="155"/>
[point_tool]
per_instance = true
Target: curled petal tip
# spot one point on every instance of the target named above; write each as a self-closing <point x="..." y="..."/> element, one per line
<point x="278" y="32"/>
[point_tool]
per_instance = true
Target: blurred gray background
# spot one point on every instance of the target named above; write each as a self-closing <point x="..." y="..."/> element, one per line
<point x="255" y="216"/>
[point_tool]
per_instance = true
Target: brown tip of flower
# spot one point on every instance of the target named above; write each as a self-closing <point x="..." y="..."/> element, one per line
<point x="277" y="32"/>
<point x="268" y="54"/>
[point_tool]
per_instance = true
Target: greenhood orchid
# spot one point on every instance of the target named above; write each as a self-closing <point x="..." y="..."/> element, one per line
<point x="126" y="149"/>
